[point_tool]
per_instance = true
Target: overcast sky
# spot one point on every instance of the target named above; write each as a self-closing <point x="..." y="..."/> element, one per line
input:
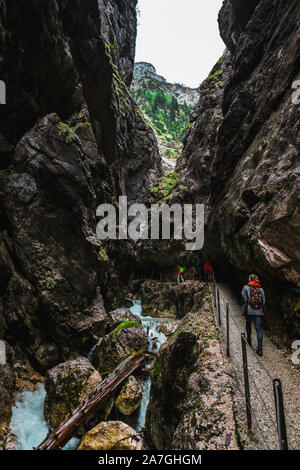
<point x="180" y="38"/>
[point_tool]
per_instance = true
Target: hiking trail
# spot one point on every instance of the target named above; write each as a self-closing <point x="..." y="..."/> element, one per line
<point x="261" y="386"/>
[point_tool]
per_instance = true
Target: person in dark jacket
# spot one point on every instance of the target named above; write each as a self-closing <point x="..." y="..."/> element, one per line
<point x="253" y="308"/>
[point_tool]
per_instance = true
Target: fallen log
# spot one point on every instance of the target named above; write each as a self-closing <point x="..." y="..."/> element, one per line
<point x="68" y="428"/>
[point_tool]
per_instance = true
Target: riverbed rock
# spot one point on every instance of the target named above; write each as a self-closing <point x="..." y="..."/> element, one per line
<point x="27" y="379"/>
<point x="67" y="385"/>
<point x="112" y="435"/>
<point x="7" y="389"/>
<point x="128" y="339"/>
<point x="130" y="396"/>
<point x="120" y="315"/>
<point x="171" y="300"/>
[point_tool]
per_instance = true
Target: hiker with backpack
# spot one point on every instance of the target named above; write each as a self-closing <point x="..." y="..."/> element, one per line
<point x="253" y="308"/>
<point x="180" y="271"/>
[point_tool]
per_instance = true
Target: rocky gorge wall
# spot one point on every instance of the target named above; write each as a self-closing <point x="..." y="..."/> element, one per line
<point x="71" y="138"/>
<point x="241" y="153"/>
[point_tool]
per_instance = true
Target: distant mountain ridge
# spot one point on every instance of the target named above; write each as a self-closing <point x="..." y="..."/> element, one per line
<point x="166" y="105"/>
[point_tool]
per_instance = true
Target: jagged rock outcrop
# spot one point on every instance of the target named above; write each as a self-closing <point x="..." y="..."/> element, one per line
<point x="233" y="18"/>
<point x="251" y="179"/>
<point x="71" y="139"/>
<point x="190" y="401"/>
<point x="112" y="435"/>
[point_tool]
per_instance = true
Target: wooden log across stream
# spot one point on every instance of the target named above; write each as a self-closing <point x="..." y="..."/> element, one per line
<point x="68" y="428"/>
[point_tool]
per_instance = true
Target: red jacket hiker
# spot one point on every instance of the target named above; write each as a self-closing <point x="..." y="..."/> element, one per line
<point x="208" y="266"/>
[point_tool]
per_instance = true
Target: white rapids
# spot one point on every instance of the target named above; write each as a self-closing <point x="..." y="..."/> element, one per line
<point x="28" y="421"/>
<point x="151" y="326"/>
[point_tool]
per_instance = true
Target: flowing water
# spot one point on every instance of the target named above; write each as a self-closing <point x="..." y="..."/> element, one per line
<point x="151" y="326"/>
<point x="28" y="421"/>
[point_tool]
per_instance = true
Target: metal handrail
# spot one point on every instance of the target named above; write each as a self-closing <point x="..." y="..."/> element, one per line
<point x="278" y="393"/>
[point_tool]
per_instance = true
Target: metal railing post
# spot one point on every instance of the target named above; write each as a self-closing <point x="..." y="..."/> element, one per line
<point x="280" y="415"/>
<point x="219" y="307"/>
<point x="246" y="381"/>
<point x="227" y="331"/>
<point x="215" y="290"/>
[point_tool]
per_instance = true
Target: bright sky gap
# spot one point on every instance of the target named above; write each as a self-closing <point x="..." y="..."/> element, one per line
<point x="181" y="39"/>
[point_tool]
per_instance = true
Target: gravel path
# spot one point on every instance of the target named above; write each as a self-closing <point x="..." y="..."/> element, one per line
<point x="261" y="385"/>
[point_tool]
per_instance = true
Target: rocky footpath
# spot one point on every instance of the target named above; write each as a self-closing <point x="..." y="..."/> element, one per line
<point x="191" y="404"/>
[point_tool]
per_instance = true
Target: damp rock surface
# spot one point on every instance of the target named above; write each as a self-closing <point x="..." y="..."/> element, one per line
<point x="112" y="435"/>
<point x="129" y="399"/>
<point x="67" y="385"/>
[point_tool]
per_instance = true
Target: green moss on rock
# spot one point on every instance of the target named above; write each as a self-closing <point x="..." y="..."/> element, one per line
<point x="125" y="324"/>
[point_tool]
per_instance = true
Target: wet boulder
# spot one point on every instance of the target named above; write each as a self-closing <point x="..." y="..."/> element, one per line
<point x="111" y="435"/>
<point x="130" y="397"/>
<point x="67" y="385"/>
<point x="121" y="315"/>
<point x="128" y="339"/>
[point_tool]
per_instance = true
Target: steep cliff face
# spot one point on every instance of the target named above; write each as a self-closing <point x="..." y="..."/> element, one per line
<point x="199" y="149"/>
<point x="71" y="139"/>
<point x="248" y="172"/>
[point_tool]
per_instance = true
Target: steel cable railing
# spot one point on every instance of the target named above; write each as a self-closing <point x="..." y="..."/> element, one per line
<point x="252" y="390"/>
